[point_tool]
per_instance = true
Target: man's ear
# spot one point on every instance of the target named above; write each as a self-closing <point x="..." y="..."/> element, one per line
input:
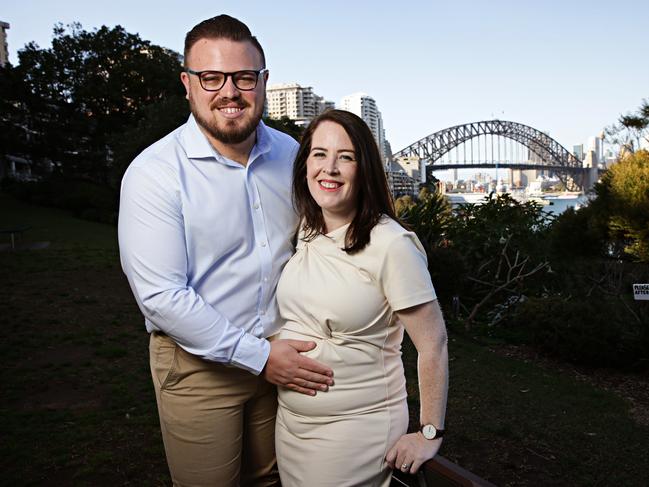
<point x="184" y="78"/>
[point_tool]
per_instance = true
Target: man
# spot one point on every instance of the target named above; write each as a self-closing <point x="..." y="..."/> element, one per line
<point x="204" y="230"/>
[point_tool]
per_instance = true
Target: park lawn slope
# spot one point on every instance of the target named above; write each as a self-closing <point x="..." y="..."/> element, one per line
<point x="78" y="407"/>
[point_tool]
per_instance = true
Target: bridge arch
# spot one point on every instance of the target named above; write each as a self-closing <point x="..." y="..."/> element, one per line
<point x="552" y="154"/>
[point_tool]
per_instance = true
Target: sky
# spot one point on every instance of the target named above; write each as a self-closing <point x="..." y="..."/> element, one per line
<point x="568" y="68"/>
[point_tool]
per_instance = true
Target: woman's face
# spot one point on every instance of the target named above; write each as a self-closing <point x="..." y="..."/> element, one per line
<point x="331" y="170"/>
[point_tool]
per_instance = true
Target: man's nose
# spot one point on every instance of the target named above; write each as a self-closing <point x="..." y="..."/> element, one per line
<point x="229" y="89"/>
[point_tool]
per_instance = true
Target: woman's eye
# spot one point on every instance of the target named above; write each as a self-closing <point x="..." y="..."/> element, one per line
<point x="346" y="157"/>
<point x="318" y="154"/>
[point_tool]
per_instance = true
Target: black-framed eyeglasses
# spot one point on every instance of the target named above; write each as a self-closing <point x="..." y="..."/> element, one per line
<point x="214" y="80"/>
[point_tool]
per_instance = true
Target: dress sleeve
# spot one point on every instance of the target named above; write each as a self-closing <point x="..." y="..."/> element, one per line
<point x="404" y="273"/>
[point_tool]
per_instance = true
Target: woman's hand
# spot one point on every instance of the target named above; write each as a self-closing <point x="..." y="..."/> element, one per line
<point x="425" y="325"/>
<point x="411" y="451"/>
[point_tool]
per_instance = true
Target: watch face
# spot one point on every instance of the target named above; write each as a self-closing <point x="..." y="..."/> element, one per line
<point x="429" y="431"/>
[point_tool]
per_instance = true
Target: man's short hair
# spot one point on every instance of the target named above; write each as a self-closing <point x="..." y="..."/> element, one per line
<point x="222" y="27"/>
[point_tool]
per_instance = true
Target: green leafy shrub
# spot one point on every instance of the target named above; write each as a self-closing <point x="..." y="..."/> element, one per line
<point x="448" y="271"/>
<point x="579" y="233"/>
<point x="504" y="247"/>
<point x="428" y="216"/>
<point x="595" y="331"/>
<point x="479" y="230"/>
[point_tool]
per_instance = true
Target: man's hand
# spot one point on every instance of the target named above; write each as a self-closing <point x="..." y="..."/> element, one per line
<point x="288" y="368"/>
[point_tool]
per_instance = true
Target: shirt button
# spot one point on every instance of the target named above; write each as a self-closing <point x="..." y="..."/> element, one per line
<point x="263" y="244"/>
<point x="256" y="206"/>
<point x="265" y="279"/>
<point x="262" y="312"/>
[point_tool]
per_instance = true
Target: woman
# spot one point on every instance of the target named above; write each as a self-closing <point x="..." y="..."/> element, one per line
<point x="356" y="280"/>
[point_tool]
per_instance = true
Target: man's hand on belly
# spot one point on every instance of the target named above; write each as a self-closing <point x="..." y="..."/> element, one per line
<point x="286" y="367"/>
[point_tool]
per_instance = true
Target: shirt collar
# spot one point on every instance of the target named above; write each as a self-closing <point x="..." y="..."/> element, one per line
<point x="262" y="145"/>
<point x="198" y="147"/>
<point x="194" y="141"/>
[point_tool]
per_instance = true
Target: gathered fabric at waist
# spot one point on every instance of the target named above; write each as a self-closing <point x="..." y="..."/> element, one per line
<point x="366" y="378"/>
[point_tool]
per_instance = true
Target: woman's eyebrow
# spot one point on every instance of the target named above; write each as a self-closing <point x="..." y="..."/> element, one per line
<point x="338" y="151"/>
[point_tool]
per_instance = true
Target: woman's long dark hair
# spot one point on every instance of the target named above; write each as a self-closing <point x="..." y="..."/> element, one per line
<point x="373" y="197"/>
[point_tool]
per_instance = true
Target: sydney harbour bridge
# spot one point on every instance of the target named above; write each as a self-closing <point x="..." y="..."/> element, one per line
<point x="500" y="144"/>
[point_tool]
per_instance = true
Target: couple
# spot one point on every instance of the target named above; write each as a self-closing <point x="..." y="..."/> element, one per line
<point x="239" y="315"/>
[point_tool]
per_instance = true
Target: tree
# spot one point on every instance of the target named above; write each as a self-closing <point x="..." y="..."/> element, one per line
<point x="12" y="113"/>
<point x="481" y="229"/>
<point x="78" y="96"/>
<point x="631" y="128"/>
<point x="623" y="196"/>
<point x="502" y="243"/>
<point x="580" y="233"/>
<point x="285" y="125"/>
<point x="403" y="204"/>
<point x="428" y="216"/>
<point x="158" y="119"/>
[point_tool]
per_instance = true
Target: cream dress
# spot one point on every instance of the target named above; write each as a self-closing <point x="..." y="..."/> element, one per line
<point x="346" y="304"/>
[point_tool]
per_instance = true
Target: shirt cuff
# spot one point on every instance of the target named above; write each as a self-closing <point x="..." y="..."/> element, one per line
<point x="251" y="353"/>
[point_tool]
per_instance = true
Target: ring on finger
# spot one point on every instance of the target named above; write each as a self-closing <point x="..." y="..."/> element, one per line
<point x="405" y="466"/>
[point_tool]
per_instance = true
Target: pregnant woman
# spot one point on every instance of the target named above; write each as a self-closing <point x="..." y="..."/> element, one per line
<point x="357" y="279"/>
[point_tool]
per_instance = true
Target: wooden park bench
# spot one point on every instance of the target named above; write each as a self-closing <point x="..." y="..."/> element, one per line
<point x="440" y="472"/>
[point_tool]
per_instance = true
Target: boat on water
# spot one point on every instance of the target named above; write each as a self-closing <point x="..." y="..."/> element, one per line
<point x="564" y="195"/>
<point x="463" y="198"/>
<point x="538" y="199"/>
<point x="552" y="202"/>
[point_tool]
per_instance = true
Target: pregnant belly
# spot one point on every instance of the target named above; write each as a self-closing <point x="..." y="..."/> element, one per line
<point x="364" y="379"/>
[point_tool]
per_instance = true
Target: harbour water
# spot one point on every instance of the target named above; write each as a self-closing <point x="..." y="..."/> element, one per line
<point x="558" y="204"/>
<point x="554" y="203"/>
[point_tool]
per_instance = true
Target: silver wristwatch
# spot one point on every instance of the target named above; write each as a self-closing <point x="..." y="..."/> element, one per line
<point x="430" y="432"/>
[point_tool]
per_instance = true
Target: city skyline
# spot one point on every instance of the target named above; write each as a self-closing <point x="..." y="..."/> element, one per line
<point x="569" y="69"/>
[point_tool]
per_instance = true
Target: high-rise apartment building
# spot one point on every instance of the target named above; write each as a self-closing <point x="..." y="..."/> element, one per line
<point x="413" y="166"/>
<point x="299" y="103"/>
<point x="4" y="47"/>
<point x="323" y="104"/>
<point x="365" y="107"/>
<point x="401" y="184"/>
<point x="596" y="145"/>
<point x="387" y="149"/>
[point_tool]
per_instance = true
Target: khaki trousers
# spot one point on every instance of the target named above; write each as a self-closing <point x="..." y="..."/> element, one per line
<point x="217" y="422"/>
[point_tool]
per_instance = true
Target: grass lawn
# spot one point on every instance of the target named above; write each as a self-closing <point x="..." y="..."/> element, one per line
<point x="78" y="406"/>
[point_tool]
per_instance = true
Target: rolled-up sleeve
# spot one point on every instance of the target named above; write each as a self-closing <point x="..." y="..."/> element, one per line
<point x="404" y="273"/>
<point x="153" y="254"/>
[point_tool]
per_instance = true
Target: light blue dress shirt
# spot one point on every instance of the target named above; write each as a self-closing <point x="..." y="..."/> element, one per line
<point x="204" y="239"/>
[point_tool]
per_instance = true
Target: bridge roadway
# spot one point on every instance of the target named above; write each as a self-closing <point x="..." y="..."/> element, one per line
<point x="499" y="165"/>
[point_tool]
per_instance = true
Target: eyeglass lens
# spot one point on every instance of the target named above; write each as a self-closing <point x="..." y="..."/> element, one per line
<point x="243" y="80"/>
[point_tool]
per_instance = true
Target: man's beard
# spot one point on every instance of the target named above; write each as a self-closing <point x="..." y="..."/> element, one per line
<point x="228" y="133"/>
